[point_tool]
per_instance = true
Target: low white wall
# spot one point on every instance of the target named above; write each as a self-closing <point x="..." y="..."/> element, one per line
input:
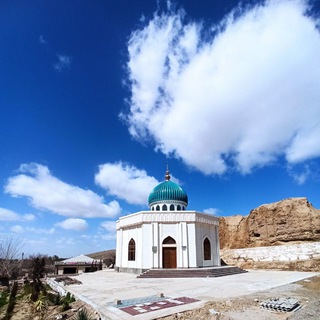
<point x="289" y="252"/>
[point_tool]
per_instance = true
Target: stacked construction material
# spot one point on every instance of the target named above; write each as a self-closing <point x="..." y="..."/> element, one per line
<point x="281" y="304"/>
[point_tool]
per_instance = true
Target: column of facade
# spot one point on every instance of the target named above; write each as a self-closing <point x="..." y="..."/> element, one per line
<point x="155" y="245"/>
<point x="183" y="245"/>
<point x="217" y="261"/>
<point x="119" y="248"/>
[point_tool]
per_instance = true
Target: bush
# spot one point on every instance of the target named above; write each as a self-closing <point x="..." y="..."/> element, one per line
<point x="82" y="315"/>
<point x="69" y="298"/>
<point x="54" y="298"/>
<point x="3" y="298"/>
<point x="65" y="306"/>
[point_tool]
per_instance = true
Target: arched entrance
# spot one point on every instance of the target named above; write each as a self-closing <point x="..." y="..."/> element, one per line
<point x="169" y="253"/>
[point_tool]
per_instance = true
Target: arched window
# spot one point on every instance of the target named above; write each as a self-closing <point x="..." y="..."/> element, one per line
<point x="164" y="207"/>
<point x="132" y="250"/>
<point x="171" y="207"/>
<point x="158" y="208"/>
<point x="152" y="209"/>
<point x="206" y="249"/>
<point x="178" y="207"/>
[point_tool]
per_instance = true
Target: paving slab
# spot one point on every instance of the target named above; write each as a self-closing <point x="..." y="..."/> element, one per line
<point x="100" y="289"/>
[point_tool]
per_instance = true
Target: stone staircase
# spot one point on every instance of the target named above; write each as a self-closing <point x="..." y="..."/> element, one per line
<point x="191" y="273"/>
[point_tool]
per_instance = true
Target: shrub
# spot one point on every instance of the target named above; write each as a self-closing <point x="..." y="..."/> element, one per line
<point x="82" y="315"/>
<point x="65" y="306"/>
<point x="12" y="300"/>
<point x="69" y="298"/>
<point x="3" y="298"/>
<point x="54" y="298"/>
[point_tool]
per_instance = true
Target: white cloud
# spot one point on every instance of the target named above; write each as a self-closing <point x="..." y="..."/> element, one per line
<point x="17" y="229"/>
<point x="28" y="217"/>
<point x="73" y="224"/>
<point x="20" y="229"/>
<point x="301" y="175"/>
<point x="9" y="215"/>
<point x="125" y="182"/>
<point x="241" y="97"/>
<point x="40" y="230"/>
<point x="63" y="63"/>
<point x="212" y="211"/>
<point x="109" y="226"/>
<point x="47" y="192"/>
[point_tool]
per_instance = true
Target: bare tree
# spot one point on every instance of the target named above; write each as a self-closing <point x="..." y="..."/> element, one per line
<point x="10" y="262"/>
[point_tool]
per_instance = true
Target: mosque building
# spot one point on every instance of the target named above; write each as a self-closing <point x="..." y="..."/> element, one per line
<point x="168" y="235"/>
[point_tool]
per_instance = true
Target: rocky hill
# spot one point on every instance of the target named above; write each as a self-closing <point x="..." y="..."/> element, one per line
<point x="290" y="220"/>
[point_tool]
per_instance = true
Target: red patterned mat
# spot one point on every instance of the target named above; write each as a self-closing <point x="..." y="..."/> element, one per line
<point x="157" y="305"/>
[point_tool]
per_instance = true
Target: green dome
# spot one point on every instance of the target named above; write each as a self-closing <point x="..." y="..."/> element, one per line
<point x="168" y="191"/>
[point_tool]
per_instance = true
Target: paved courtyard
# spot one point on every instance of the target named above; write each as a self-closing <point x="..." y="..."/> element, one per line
<point x="140" y="297"/>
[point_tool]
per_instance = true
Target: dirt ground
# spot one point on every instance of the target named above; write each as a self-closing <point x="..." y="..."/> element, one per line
<point x="248" y="307"/>
<point x="23" y="311"/>
<point x="241" y="308"/>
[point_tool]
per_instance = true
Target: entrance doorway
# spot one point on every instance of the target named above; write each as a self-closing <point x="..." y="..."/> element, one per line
<point x="169" y="253"/>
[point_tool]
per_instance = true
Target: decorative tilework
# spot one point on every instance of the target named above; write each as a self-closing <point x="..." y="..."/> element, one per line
<point x="156" y="305"/>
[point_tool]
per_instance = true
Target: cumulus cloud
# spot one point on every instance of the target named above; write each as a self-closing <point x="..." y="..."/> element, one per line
<point x="239" y="95"/>
<point x="46" y="192"/>
<point x="63" y="63"/>
<point x="110" y="227"/>
<point x="9" y="215"/>
<point x="17" y="229"/>
<point x="125" y="182"/>
<point x="20" y="229"/>
<point x="73" y="224"/>
<point x="212" y="211"/>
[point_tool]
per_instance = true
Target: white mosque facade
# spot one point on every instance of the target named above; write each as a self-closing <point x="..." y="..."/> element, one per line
<point x="168" y="235"/>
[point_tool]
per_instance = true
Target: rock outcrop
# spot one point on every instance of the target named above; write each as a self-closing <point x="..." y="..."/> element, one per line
<point x="289" y="220"/>
<point x="299" y="257"/>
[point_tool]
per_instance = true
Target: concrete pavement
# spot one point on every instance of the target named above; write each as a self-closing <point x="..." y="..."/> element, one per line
<point x="100" y="289"/>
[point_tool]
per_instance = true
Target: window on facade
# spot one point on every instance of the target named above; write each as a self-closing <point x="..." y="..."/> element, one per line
<point x="178" y="207"/>
<point x="172" y="207"/>
<point x="164" y="207"/>
<point x="206" y="249"/>
<point x="132" y="250"/>
<point x="158" y="208"/>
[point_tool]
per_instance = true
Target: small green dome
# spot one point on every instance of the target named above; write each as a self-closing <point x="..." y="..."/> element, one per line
<point x="168" y="191"/>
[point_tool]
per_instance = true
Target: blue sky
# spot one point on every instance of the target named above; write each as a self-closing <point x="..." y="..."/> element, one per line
<point x="97" y="96"/>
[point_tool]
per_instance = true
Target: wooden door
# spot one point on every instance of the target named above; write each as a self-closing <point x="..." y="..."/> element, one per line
<point x="169" y="256"/>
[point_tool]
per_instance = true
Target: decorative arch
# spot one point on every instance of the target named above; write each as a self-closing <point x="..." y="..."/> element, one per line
<point x="169" y="253"/>
<point x="169" y="240"/>
<point x="206" y="249"/>
<point x="132" y="250"/>
<point x="178" y="207"/>
<point x="164" y="207"/>
<point x="157" y="208"/>
<point x="171" y="207"/>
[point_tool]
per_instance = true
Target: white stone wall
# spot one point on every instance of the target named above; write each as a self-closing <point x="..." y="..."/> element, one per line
<point x="149" y="229"/>
<point x="283" y="253"/>
<point x="207" y="231"/>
